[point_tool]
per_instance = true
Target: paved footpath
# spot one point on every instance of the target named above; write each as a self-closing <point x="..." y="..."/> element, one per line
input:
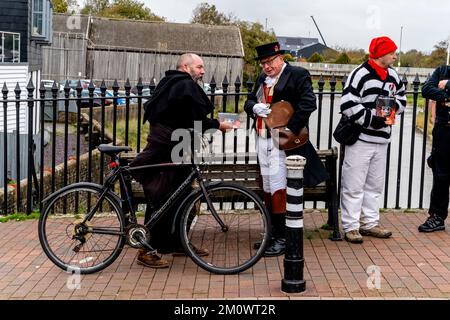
<point x="412" y="265"/>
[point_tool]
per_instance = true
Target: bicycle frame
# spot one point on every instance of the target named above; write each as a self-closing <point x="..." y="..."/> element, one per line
<point x="122" y="173"/>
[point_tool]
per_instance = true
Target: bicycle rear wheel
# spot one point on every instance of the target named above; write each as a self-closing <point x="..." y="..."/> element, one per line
<point x="76" y="246"/>
<point x="231" y="247"/>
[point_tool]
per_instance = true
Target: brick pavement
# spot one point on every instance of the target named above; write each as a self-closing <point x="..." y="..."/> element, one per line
<point x="412" y="265"/>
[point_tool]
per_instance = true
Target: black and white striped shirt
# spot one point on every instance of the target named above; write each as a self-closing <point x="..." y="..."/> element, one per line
<point x="361" y="90"/>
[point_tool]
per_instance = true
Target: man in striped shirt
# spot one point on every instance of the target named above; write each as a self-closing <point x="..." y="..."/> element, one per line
<point x="369" y="86"/>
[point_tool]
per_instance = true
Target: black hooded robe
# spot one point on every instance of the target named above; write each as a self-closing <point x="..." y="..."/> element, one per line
<point x="176" y="103"/>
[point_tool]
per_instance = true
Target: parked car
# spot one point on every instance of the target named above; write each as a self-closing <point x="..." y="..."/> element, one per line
<point x="145" y="93"/>
<point x="207" y="89"/>
<point x="110" y="93"/>
<point x="144" y="89"/>
<point x="73" y="83"/>
<point x="97" y="98"/>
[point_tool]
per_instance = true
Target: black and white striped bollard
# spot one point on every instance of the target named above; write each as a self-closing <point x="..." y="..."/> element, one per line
<point x="293" y="280"/>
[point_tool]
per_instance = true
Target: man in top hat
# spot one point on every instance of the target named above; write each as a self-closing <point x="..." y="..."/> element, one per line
<point x="281" y="81"/>
<point x="369" y="86"/>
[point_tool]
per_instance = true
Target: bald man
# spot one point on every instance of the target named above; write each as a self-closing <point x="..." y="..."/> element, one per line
<point x="177" y="103"/>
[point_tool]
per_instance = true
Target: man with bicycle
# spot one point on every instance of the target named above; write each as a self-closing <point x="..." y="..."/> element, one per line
<point x="177" y="103"/>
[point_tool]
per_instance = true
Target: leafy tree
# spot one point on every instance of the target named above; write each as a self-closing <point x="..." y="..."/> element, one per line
<point x="330" y="55"/>
<point x="288" y="57"/>
<point x="128" y="9"/>
<point x="343" y="59"/>
<point x="438" y="56"/>
<point x="62" y="6"/>
<point x="365" y="58"/>
<point x="316" y="57"/>
<point x="356" y="56"/>
<point x="252" y="33"/>
<point x="205" y="13"/>
<point x="412" y="58"/>
<point x="94" y="7"/>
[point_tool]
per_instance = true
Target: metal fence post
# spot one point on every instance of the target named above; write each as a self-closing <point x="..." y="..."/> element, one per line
<point x="293" y="280"/>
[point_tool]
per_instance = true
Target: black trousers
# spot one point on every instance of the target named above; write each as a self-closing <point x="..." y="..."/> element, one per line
<point x="440" y="165"/>
<point x="161" y="236"/>
<point x="159" y="185"/>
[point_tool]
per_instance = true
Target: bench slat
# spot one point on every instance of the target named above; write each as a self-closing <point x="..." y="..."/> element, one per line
<point x="246" y="175"/>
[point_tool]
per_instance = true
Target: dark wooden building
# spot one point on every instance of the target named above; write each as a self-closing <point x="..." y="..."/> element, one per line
<point x="108" y="49"/>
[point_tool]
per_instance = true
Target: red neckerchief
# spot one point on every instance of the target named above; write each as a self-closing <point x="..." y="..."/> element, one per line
<point x="382" y="72"/>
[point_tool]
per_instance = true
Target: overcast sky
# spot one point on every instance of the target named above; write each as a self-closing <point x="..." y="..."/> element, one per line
<point x="344" y="23"/>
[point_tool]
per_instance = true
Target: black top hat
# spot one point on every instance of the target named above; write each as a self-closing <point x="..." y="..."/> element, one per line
<point x="268" y="50"/>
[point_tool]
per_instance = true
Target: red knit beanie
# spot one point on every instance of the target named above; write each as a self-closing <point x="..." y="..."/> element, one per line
<point x="381" y="46"/>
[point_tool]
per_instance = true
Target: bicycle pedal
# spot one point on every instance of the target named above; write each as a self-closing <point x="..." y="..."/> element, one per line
<point x="77" y="247"/>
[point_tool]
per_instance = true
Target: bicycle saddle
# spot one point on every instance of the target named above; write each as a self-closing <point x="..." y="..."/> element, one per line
<point x="111" y="150"/>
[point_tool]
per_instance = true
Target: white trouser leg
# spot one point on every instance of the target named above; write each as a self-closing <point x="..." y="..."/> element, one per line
<point x="272" y="164"/>
<point x="373" y="188"/>
<point x="354" y="172"/>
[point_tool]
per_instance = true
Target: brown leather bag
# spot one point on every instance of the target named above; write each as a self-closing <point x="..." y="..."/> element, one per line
<point x="277" y="121"/>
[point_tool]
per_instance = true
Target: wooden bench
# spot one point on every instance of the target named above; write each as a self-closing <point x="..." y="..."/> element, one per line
<point x="248" y="175"/>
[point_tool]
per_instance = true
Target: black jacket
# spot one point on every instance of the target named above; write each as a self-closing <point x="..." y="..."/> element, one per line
<point x="295" y="86"/>
<point x="177" y="102"/>
<point x="430" y="90"/>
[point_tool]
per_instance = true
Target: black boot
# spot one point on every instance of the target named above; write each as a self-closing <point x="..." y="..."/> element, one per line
<point x="268" y="204"/>
<point x="278" y="243"/>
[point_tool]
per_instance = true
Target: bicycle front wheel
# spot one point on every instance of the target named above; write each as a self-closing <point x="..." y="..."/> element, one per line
<point x="76" y="245"/>
<point x="228" y="227"/>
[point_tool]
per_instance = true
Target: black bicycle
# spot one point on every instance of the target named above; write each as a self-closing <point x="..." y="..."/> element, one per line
<point x="84" y="227"/>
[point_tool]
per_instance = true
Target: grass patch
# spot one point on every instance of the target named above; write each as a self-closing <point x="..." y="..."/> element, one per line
<point x="326" y="226"/>
<point x="420" y="101"/>
<point x="20" y="217"/>
<point x="230" y="106"/>
<point x="326" y="87"/>
<point x="420" y="122"/>
<point x="132" y="132"/>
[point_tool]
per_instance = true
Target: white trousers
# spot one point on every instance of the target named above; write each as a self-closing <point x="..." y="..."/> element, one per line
<point x="272" y="164"/>
<point x="363" y="173"/>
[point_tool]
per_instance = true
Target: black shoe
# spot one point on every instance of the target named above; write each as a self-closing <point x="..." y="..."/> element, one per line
<point x="433" y="223"/>
<point x="276" y="248"/>
<point x="257" y="245"/>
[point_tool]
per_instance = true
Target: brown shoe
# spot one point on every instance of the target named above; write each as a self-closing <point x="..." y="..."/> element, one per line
<point x="201" y="252"/>
<point x="354" y="236"/>
<point x="151" y="260"/>
<point x="376" y="232"/>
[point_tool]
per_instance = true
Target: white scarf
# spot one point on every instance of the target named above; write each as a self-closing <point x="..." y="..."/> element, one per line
<point x="271" y="81"/>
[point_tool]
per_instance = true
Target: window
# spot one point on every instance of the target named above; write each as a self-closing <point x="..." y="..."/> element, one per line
<point x="9" y="47"/>
<point x="42" y="20"/>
